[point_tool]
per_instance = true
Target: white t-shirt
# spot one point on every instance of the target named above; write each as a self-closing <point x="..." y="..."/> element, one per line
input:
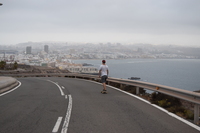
<point x="103" y="69"/>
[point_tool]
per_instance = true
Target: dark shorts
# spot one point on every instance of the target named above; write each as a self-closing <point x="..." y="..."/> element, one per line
<point x="103" y="78"/>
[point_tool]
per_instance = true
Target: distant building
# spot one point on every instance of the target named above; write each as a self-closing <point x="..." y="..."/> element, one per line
<point x="83" y="69"/>
<point x="46" y="48"/>
<point x="8" y="51"/>
<point x="28" y="50"/>
<point x="72" y="51"/>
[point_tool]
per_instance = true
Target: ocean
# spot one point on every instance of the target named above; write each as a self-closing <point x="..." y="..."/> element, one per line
<point x="178" y="73"/>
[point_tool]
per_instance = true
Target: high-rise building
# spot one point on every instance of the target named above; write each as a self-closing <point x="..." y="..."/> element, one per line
<point x="46" y="48"/>
<point x="28" y="50"/>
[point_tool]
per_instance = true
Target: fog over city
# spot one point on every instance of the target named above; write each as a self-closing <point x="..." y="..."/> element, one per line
<point x="87" y="65"/>
<point x="166" y="22"/>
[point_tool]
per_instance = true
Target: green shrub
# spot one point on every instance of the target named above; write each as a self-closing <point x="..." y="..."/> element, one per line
<point x="15" y="65"/>
<point x="189" y="114"/>
<point x="164" y="103"/>
<point x="175" y="109"/>
<point x="2" y="64"/>
<point x="164" y="100"/>
<point x="172" y="104"/>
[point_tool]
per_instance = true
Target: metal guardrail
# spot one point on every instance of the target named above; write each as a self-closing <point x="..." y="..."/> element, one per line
<point x="190" y="96"/>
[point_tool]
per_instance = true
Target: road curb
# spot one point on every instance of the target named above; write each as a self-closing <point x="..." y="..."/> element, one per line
<point x="7" y="83"/>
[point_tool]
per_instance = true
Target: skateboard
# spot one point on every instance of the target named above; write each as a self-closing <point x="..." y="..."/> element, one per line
<point x="103" y="92"/>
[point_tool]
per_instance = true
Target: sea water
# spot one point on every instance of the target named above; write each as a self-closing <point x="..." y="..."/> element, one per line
<point x="178" y="73"/>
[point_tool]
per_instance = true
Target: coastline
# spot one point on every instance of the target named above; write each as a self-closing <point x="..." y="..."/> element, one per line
<point x="178" y="73"/>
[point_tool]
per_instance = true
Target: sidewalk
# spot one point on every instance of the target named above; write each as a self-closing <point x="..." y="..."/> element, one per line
<point x="7" y="83"/>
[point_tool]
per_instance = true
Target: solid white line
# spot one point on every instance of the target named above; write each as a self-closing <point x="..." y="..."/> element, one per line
<point x="11" y="89"/>
<point x="57" y="125"/>
<point x="162" y="109"/>
<point x="130" y="94"/>
<point x="185" y="121"/>
<point x="62" y="93"/>
<point x="67" y="118"/>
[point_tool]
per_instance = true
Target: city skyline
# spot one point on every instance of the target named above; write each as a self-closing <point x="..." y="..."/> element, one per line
<point x="106" y="51"/>
<point x="171" y="22"/>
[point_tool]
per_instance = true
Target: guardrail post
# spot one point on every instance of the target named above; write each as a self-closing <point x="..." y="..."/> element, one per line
<point x="137" y="90"/>
<point x="120" y="86"/>
<point x="196" y="114"/>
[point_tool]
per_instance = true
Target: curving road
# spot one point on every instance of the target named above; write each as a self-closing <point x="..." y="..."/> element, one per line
<point x="44" y="105"/>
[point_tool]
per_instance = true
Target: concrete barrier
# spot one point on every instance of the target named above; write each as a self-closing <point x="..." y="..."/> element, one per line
<point x="7" y="83"/>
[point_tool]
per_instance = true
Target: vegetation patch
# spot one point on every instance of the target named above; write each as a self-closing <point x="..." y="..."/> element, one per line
<point x="5" y="66"/>
<point x="171" y="104"/>
<point x="167" y="102"/>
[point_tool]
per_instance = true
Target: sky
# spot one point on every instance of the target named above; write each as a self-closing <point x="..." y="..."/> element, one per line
<point x="158" y="22"/>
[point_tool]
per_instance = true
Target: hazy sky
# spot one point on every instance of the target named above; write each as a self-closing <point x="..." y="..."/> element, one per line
<point x="126" y="21"/>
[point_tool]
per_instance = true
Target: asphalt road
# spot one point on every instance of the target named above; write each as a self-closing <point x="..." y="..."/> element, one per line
<point x="43" y="105"/>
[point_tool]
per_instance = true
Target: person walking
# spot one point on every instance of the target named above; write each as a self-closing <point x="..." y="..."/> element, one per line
<point x="103" y="73"/>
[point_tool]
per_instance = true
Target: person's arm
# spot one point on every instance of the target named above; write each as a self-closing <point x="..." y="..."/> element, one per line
<point x="107" y="71"/>
<point x="99" y="73"/>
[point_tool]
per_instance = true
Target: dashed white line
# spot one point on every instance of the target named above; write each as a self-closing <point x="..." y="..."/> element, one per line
<point x="65" y="96"/>
<point x="63" y="87"/>
<point x="57" y="125"/>
<point x="67" y="118"/>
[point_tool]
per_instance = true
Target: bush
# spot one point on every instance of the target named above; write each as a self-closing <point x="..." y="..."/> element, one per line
<point x="175" y="109"/>
<point x="164" y="103"/>
<point x="172" y="104"/>
<point x="164" y="100"/>
<point x="2" y="64"/>
<point x="189" y="114"/>
<point x="15" y="65"/>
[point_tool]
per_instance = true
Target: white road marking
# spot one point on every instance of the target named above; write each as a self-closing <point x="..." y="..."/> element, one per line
<point x="65" y="96"/>
<point x="57" y="125"/>
<point x="11" y="89"/>
<point x="162" y="109"/>
<point x="169" y="113"/>
<point x="61" y="91"/>
<point x="67" y="118"/>
<point x="63" y="87"/>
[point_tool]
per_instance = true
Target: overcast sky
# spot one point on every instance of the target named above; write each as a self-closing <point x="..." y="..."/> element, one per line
<point x="124" y="21"/>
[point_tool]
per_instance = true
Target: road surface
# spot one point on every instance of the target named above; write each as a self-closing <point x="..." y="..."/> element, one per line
<point x="51" y="104"/>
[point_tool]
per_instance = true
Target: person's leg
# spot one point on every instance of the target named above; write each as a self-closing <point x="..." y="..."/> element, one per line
<point x="103" y="80"/>
<point x="104" y="83"/>
<point x="104" y="86"/>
